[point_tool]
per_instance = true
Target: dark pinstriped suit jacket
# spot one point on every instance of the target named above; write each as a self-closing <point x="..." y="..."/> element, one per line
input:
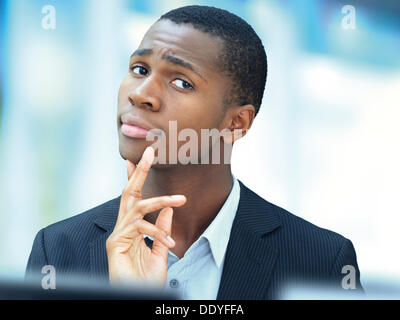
<point x="268" y="248"/>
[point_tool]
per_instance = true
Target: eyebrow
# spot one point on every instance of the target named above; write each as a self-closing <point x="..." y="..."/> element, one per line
<point x="142" y="52"/>
<point x="168" y="57"/>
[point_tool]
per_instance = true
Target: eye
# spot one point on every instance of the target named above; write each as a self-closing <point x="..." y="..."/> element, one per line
<point x="142" y="71"/>
<point x="183" y="84"/>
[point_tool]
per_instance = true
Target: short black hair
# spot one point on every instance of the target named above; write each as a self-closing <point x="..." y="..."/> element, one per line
<point x="243" y="58"/>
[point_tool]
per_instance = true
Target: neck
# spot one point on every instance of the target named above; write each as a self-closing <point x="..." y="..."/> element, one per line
<point x="206" y="188"/>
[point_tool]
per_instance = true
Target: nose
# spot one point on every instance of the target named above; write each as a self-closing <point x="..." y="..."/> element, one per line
<point x="146" y="95"/>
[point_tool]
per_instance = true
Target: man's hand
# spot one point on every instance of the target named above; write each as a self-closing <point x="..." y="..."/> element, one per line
<point x="129" y="258"/>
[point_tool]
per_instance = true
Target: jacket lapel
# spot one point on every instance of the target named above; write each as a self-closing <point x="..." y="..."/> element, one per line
<point x="97" y="248"/>
<point x="249" y="260"/>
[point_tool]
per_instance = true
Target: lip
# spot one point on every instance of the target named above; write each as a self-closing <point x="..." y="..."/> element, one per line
<point x="134" y="127"/>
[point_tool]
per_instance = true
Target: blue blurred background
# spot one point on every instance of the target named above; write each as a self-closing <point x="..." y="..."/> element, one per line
<point x="325" y="144"/>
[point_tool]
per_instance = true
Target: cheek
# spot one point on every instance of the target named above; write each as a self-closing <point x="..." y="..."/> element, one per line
<point x="196" y="111"/>
<point x="123" y="90"/>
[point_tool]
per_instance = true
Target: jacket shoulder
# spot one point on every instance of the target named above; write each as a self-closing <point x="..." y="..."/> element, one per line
<point x="289" y="223"/>
<point x="305" y="250"/>
<point x="66" y="244"/>
<point x="83" y="222"/>
<point x="305" y="230"/>
<point x="298" y="240"/>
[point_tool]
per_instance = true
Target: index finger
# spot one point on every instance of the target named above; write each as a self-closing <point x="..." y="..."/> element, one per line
<point x="137" y="179"/>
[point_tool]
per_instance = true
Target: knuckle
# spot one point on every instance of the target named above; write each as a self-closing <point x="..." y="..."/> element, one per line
<point x="135" y="193"/>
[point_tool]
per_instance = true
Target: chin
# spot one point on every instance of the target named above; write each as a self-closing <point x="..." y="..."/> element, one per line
<point x="132" y="150"/>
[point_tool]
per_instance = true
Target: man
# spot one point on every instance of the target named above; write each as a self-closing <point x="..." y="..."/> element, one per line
<point x="193" y="227"/>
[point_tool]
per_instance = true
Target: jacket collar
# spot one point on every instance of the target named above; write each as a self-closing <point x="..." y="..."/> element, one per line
<point x="250" y="259"/>
<point x="108" y="216"/>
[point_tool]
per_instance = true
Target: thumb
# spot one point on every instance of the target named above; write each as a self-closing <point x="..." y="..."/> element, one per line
<point x="164" y="222"/>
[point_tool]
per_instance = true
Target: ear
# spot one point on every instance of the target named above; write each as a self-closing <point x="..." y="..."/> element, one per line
<point x="237" y="122"/>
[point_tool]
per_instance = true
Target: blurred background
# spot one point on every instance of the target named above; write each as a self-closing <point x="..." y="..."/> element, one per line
<point x="324" y="146"/>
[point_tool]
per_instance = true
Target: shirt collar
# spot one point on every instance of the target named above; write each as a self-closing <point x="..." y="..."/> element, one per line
<point x="218" y="232"/>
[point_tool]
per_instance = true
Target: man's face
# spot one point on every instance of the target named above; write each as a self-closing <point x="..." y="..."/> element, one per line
<point x="172" y="76"/>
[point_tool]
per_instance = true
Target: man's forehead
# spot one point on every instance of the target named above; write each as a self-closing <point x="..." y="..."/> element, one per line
<point x="182" y="39"/>
<point x="182" y="31"/>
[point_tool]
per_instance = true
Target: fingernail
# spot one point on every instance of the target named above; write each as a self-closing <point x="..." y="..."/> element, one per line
<point x="177" y="197"/>
<point x="148" y="155"/>
<point x="170" y="240"/>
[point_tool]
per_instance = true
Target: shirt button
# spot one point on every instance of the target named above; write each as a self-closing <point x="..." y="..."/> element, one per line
<point x="174" y="283"/>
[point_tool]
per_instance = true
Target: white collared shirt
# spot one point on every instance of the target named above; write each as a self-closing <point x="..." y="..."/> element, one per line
<point x="198" y="273"/>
